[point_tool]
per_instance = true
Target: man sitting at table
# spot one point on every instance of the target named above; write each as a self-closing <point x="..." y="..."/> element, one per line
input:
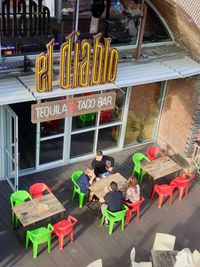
<point x="112" y="199"/>
<point x="85" y="181"/>
<point x="102" y="165"/>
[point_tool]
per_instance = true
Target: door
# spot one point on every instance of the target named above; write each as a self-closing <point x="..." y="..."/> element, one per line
<point x="10" y="123"/>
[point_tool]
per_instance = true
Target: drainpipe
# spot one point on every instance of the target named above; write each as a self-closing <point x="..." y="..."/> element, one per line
<point x="195" y="126"/>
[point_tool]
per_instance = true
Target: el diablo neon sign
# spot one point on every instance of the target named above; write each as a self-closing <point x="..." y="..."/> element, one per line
<point x="87" y="65"/>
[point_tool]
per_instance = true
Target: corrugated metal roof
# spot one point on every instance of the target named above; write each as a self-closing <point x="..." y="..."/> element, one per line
<point x="13" y="91"/>
<point x="152" y="69"/>
<point x="161" y="69"/>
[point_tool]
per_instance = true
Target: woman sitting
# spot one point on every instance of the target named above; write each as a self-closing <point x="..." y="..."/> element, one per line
<point x="85" y="180"/>
<point x="133" y="191"/>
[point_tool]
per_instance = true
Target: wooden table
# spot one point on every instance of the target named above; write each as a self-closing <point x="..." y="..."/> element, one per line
<point x="98" y="187"/>
<point x="160" y="167"/>
<point x="163" y="258"/>
<point x="38" y="209"/>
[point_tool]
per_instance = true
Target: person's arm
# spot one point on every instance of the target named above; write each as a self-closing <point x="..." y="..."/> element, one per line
<point x="111" y="160"/>
<point x="106" y="196"/>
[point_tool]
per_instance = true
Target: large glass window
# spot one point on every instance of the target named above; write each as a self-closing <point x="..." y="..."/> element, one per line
<point x="51" y="150"/>
<point x="143" y="113"/>
<point x="108" y="138"/>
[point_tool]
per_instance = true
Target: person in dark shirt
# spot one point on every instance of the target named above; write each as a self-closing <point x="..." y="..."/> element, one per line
<point x="112" y="199"/>
<point x="86" y="179"/>
<point x="102" y="165"/>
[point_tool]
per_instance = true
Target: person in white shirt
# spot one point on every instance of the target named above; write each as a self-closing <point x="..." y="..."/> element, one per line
<point x="133" y="191"/>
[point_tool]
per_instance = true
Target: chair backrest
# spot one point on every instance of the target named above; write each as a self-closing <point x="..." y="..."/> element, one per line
<point x="117" y="215"/>
<point x="164" y="242"/>
<point x="97" y="263"/>
<point x="136" y="205"/>
<point x="180" y="181"/>
<point x="151" y="152"/>
<point x="164" y="189"/>
<point x="138" y="157"/>
<point x="43" y="234"/>
<point x="19" y="197"/>
<point x="196" y="258"/>
<point x="67" y="225"/>
<point x="36" y="190"/>
<point x="75" y="176"/>
<point x="87" y="117"/>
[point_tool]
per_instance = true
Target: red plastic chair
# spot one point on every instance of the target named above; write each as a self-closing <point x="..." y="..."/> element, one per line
<point x="105" y="116"/>
<point x="63" y="228"/>
<point x="182" y="182"/>
<point x="133" y="207"/>
<point x="38" y="189"/>
<point x="153" y="153"/>
<point x="163" y="190"/>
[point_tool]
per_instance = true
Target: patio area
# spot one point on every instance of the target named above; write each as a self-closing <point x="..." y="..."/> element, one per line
<point x="91" y="241"/>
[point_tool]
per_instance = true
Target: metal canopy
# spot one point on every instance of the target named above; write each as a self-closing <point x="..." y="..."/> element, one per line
<point x="13" y="91"/>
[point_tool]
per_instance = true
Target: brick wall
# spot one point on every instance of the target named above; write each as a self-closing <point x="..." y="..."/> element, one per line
<point x="176" y="119"/>
<point x="185" y="30"/>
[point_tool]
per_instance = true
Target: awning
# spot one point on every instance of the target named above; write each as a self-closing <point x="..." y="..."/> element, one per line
<point x="160" y="69"/>
<point x="13" y="91"/>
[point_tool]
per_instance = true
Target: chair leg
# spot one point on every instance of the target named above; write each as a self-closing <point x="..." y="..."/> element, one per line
<point x="49" y="245"/>
<point x="73" y="194"/>
<point x="123" y="224"/>
<point x="35" y="249"/>
<point x="81" y="198"/>
<point x="61" y="239"/>
<point x="111" y="225"/>
<point x="152" y="195"/>
<point x="102" y="220"/>
<point x="187" y="189"/>
<point x="160" y="201"/>
<point x="27" y="240"/>
<point x="180" y="195"/>
<point x="128" y="216"/>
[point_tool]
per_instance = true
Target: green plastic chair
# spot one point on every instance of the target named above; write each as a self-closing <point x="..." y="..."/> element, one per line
<point x="137" y="158"/>
<point x="86" y="118"/>
<point x="17" y="198"/>
<point x="39" y="236"/>
<point x="113" y="217"/>
<point x="77" y="190"/>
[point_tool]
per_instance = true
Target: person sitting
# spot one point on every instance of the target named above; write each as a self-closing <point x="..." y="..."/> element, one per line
<point x="102" y="165"/>
<point x="85" y="180"/>
<point x="112" y="199"/>
<point x="133" y="191"/>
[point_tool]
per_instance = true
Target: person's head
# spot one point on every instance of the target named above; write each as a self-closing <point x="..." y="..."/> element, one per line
<point x="99" y="155"/>
<point x="89" y="172"/>
<point x="132" y="182"/>
<point x="113" y="186"/>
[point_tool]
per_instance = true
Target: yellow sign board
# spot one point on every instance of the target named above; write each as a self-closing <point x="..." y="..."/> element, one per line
<point x="81" y="64"/>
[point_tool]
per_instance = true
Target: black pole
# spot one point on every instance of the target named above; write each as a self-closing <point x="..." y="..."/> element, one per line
<point x="108" y="4"/>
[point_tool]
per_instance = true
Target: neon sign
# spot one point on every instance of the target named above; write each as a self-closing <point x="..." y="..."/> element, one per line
<point x="81" y="64"/>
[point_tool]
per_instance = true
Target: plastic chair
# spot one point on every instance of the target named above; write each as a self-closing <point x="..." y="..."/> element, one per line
<point x="113" y="217"/>
<point x="163" y="190"/>
<point x="77" y="190"/>
<point x="138" y="264"/>
<point x="17" y="198"/>
<point x="196" y="258"/>
<point x="39" y="236"/>
<point x="133" y="207"/>
<point x="153" y="153"/>
<point x="63" y="228"/>
<point x="105" y="116"/>
<point x="137" y="158"/>
<point x="97" y="263"/>
<point x="182" y="183"/>
<point x="86" y="118"/>
<point x="37" y="190"/>
<point x="164" y="242"/>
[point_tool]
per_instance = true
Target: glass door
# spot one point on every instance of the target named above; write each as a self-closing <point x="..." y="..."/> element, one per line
<point x="10" y="147"/>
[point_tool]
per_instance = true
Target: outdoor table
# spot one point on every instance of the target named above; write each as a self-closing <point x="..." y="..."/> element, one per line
<point x="38" y="209"/>
<point x="163" y="258"/>
<point x="98" y="187"/>
<point x="160" y="167"/>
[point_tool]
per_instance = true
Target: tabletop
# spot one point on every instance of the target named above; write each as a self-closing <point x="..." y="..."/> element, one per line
<point x="38" y="209"/>
<point x="163" y="258"/>
<point x="160" y="167"/>
<point x="98" y="187"/>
